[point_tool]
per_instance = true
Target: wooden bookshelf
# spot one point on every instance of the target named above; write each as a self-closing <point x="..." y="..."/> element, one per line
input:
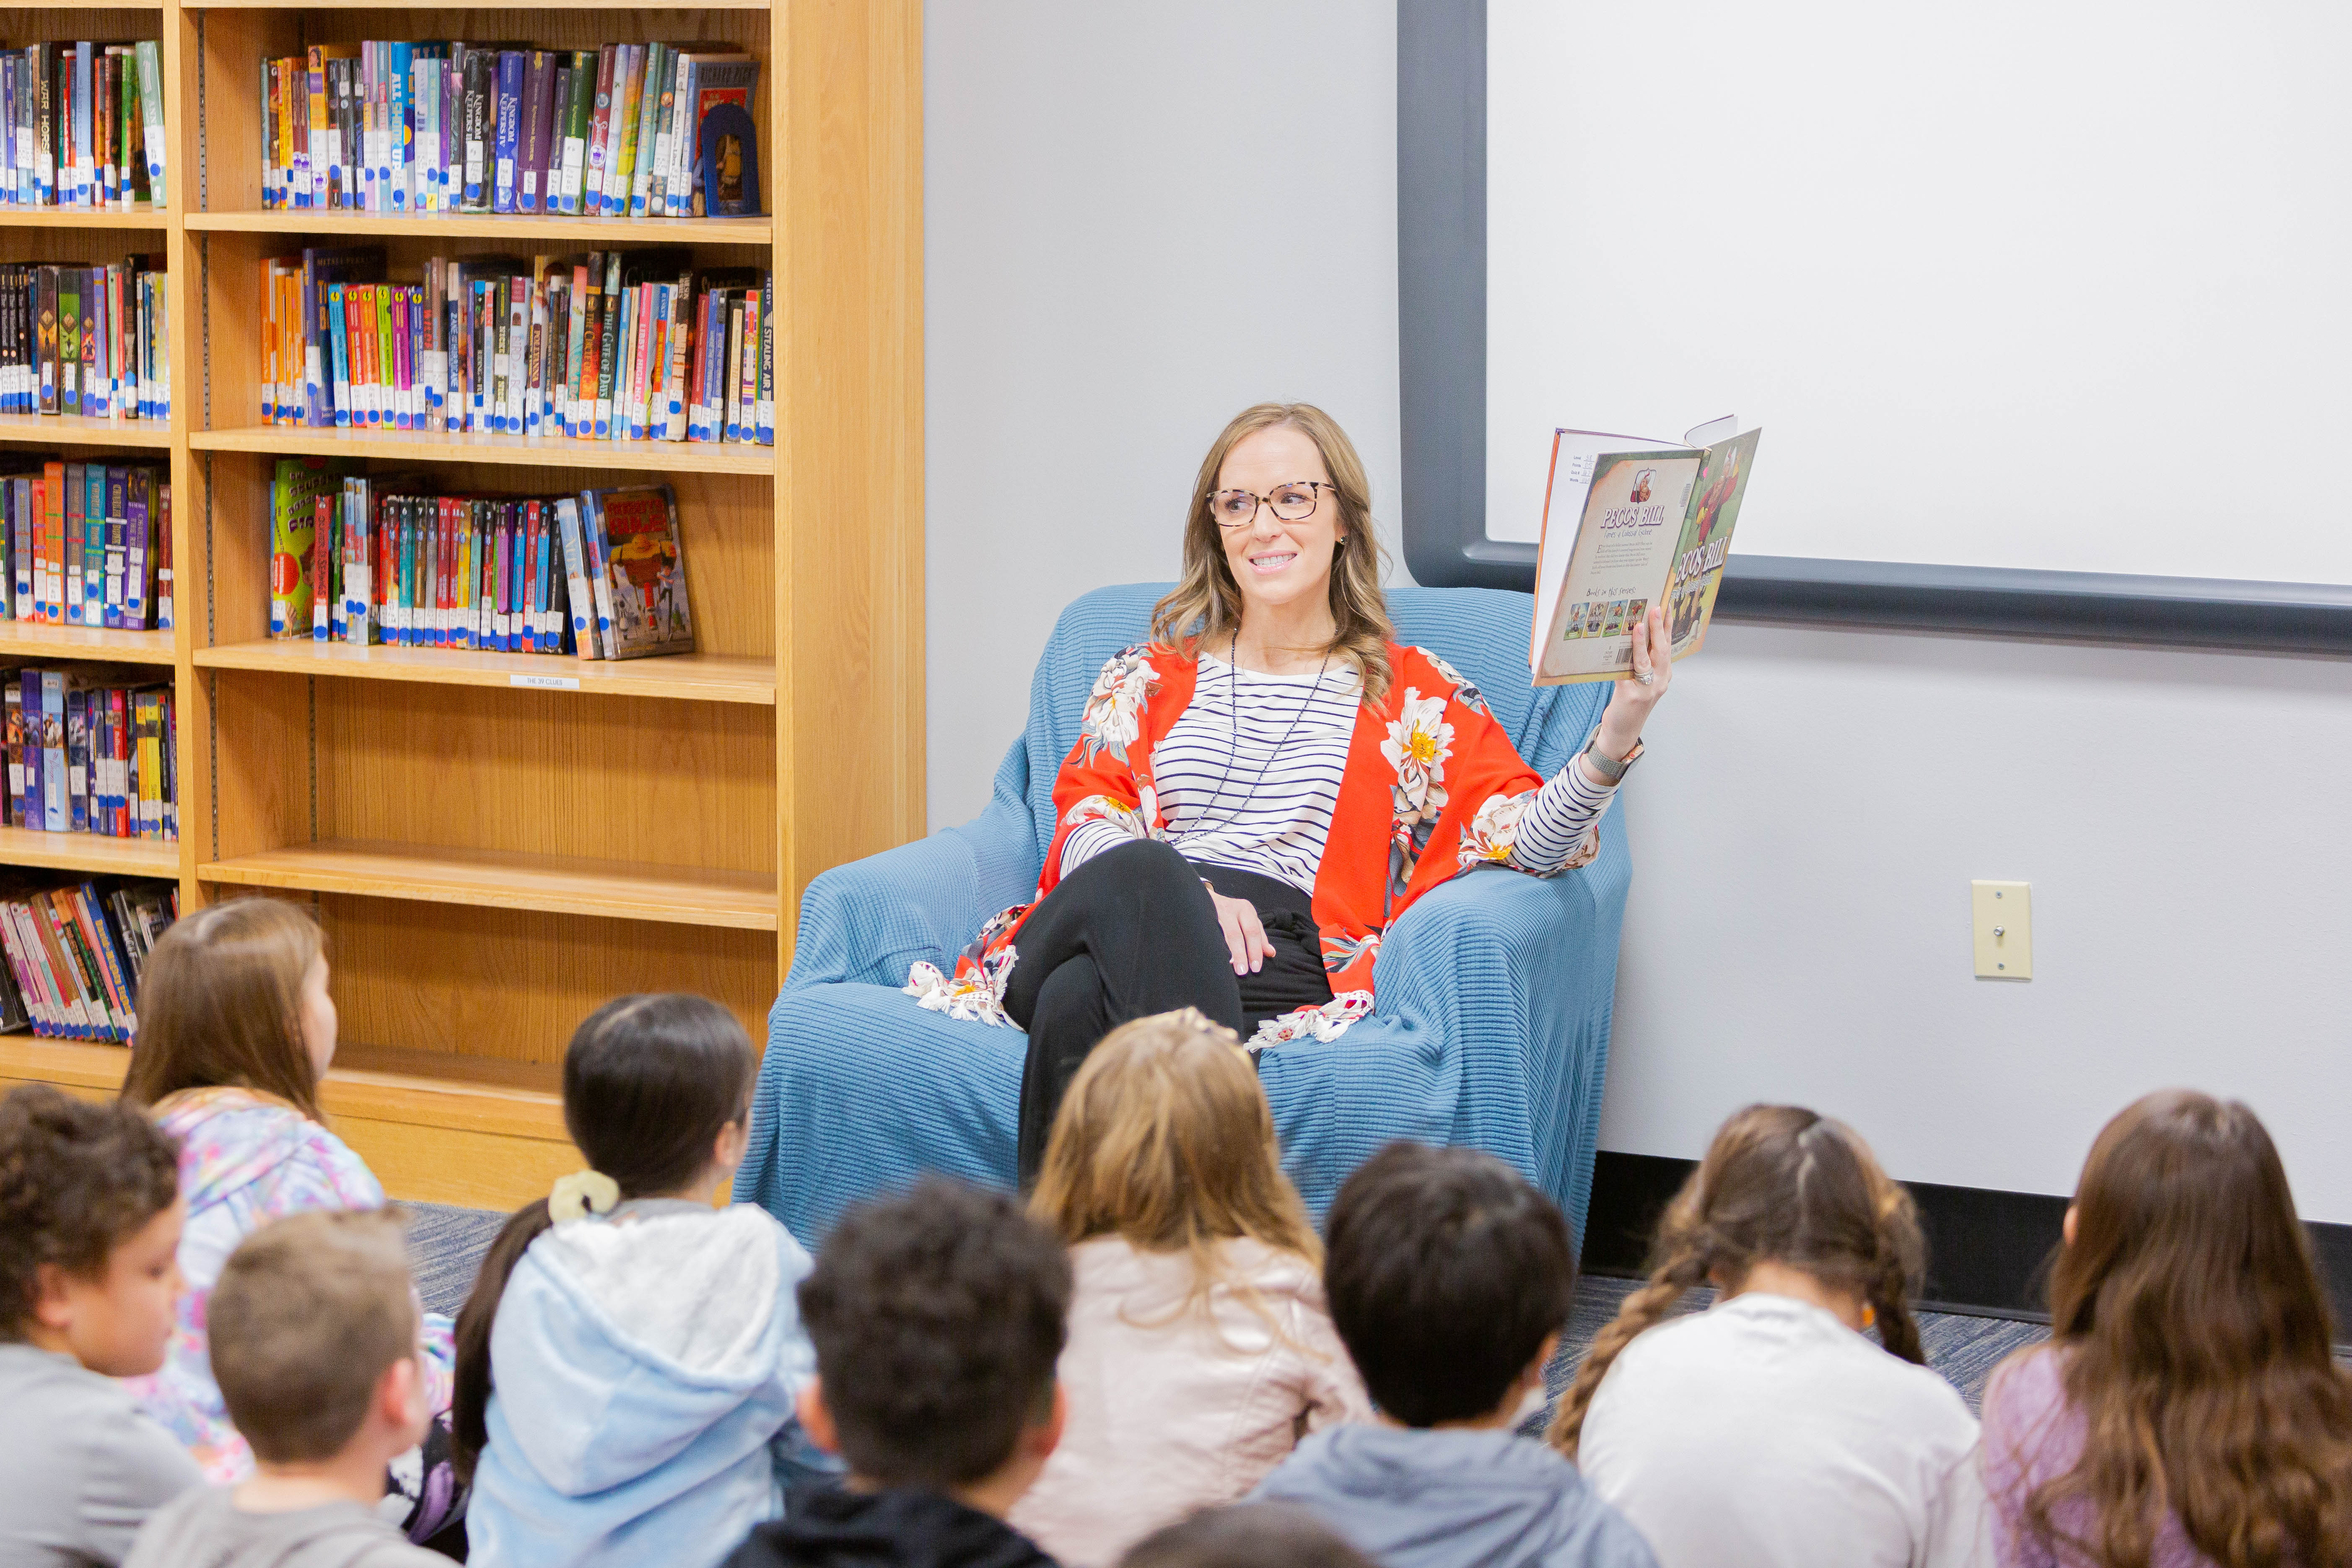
<point x="496" y="879"/>
<point x="687" y="677"/>
<point x="529" y="231"/>
<point x="90" y="852"/>
<point x="538" y="451"/>
<point x="73" y="430"/>
<point x="22" y="639"/>
<point x="137" y="215"/>
<point x="493" y="850"/>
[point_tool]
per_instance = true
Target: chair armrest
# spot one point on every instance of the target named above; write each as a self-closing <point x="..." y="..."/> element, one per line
<point x="1496" y="938"/>
<point x="866" y="922"/>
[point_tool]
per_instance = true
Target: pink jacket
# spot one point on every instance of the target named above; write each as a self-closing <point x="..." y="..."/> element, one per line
<point x="1171" y="1411"/>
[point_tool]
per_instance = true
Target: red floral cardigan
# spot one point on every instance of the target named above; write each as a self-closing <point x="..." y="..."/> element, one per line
<point x="1432" y="786"/>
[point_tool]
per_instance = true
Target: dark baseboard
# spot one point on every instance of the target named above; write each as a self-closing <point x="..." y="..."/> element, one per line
<point x="1987" y="1252"/>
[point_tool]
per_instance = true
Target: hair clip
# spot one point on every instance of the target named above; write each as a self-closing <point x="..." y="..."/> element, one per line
<point x="582" y="1193"/>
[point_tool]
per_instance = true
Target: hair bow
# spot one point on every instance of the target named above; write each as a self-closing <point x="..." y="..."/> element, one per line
<point x="582" y="1193"/>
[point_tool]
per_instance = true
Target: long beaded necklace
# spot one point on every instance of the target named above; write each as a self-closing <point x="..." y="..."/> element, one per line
<point x="1234" y="744"/>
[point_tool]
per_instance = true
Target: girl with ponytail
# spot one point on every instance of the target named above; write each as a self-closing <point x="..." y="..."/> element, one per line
<point x="1769" y="1429"/>
<point x="628" y="1360"/>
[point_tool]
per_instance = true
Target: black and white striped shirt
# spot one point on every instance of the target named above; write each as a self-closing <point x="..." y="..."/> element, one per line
<point x="1230" y="799"/>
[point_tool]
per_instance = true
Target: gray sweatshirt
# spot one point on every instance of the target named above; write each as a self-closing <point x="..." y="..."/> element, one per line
<point x="205" y="1528"/>
<point x="1455" y="1500"/>
<point x="80" y="1469"/>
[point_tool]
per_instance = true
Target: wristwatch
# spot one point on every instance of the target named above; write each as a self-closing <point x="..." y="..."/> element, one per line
<point x="1611" y="772"/>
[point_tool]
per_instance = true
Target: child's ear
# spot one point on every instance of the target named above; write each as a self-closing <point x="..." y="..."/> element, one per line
<point x="1042" y="1439"/>
<point x="400" y="1400"/>
<point x="815" y="1419"/>
<point x="733" y="1139"/>
<point x="2066" y="1230"/>
<point x="53" y="1297"/>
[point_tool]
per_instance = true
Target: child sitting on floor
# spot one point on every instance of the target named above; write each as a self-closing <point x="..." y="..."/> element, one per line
<point x="1450" y="1278"/>
<point x="1200" y="1350"/>
<point x="627" y="1363"/>
<point x="1767" y="1429"/>
<point x="2186" y="1409"/>
<point x="315" y="1345"/>
<point x="90" y="1227"/>
<point x="236" y="1030"/>
<point x="936" y="1319"/>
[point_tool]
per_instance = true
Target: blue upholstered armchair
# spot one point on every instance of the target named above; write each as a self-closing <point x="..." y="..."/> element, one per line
<point x="1494" y="991"/>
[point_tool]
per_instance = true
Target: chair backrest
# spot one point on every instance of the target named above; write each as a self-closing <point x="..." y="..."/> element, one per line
<point x="1481" y="632"/>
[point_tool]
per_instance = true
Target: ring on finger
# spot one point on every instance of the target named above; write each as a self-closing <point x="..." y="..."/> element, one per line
<point x="1646" y="676"/>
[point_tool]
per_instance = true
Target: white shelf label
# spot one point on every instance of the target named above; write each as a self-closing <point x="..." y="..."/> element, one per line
<point x="546" y="682"/>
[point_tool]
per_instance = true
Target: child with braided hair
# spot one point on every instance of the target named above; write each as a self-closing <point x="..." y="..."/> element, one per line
<point x="1769" y="1429"/>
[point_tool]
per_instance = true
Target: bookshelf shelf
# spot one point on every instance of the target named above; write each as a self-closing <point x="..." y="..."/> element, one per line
<point x="587" y="231"/>
<point x="90" y="852"/>
<point x="535" y="451"/>
<point x="73" y="430"/>
<point x="691" y="678"/>
<point x="137" y="215"/>
<point x="492" y="878"/>
<point x="23" y="640"/>
<point x="582" y="5"/>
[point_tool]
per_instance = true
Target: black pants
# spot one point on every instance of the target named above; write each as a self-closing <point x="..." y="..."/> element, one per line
<point x="1130" y="933"/>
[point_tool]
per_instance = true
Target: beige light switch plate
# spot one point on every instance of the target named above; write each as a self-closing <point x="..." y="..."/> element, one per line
<point x="2004" y="930"/>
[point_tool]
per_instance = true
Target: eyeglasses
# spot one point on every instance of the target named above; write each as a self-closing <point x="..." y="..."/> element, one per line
<point x="1291" y="503"/>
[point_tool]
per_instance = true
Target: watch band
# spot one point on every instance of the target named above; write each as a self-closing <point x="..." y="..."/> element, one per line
<point x="1612" y="770"/>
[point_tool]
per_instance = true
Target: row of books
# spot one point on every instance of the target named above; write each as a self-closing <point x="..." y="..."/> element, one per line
<point x="84" y="125"/>
<point x="85" y="544"/>
<point x="77" y="954"/>
<point x="614" y="346"/>
<point x="88" y="754"/>
<point x="360" y="559"/>
<point x="626" y="131"/>
<point x="88" y="340"/>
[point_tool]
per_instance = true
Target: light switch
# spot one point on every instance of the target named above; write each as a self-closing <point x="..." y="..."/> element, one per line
<point x="2004" y="922"/>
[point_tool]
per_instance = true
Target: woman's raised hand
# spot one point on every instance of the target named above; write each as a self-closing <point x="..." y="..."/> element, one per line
<point x="1630" y="704"/>
<point x="1244" y="937"/>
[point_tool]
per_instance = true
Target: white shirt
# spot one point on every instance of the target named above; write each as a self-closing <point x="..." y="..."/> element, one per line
<point x="1764" y="1431"/>
<point x="1248" y="775"/>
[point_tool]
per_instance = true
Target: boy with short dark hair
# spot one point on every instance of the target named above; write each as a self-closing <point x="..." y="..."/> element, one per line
<point x="1449" y="1278"/>
<point x="938" y="1319"/>
<point x="89" y="1236"/>
<point x="313" y="1330"/>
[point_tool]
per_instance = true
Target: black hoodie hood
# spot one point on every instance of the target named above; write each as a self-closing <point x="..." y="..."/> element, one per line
<point x="829" y="1526"/>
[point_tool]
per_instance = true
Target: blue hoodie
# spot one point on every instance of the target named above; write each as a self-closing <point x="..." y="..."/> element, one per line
<point x="644" y="1367"/>
<point x="1455" y="1500"/>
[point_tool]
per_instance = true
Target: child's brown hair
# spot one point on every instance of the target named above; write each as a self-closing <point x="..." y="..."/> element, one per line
<point x="2196" y="1352"/>
<point x="1165" y="1139"/>
<point x="1781" y="1185"/>
<point x="308" y="1313"/>
<point x="75" y="1180"/>
<point x="221" y="1004"/>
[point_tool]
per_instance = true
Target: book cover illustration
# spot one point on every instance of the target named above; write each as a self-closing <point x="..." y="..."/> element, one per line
<point x="1629" y="524"/>
<point x="723" y="140"/>
<point x="646" y="571"/>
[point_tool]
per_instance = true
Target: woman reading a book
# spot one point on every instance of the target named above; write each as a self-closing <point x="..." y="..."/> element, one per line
<point x="1260" y="790"/>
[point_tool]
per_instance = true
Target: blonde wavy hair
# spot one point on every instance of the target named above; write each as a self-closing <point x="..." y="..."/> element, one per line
<point x="1166" y="1139"/>
<point x="1205" y="607"/>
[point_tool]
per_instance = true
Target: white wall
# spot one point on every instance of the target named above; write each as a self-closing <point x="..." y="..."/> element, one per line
<point x="1138" y="220"/>
<point x="1804" y="833"/>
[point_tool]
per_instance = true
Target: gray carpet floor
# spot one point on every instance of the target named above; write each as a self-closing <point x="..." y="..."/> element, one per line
<point x="446" y="1246"/>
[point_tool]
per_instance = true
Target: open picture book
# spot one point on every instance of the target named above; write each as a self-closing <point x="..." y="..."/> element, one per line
<point x="1628" y="523"/>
